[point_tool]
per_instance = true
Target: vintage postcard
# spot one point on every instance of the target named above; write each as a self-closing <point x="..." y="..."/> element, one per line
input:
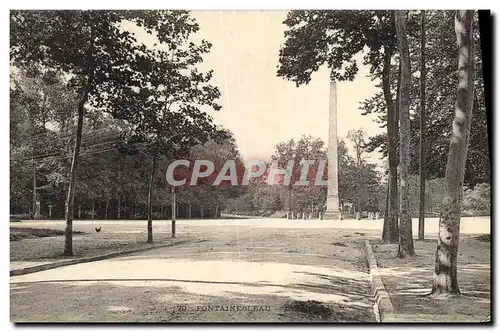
<point x="290" y="166"/>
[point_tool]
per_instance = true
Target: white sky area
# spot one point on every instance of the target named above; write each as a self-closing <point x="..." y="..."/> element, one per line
<point x="260" y="108"/>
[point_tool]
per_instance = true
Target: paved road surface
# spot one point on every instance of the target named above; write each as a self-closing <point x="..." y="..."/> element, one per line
<point x="468" y="225"/>
<point x="269" y="268"/>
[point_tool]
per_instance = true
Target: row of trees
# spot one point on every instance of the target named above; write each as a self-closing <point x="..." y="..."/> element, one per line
<point x="82" y="79"/>
<point x="413" y="55"/>
<point x="360" y="184"/>
<point x="157" y="92"/>
<point x="112" y="184"/>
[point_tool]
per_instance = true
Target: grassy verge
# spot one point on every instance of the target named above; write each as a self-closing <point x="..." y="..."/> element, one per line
<point x="409" y="280"/>
<point x="47" y="244"/>
<point x="19" y="233"/>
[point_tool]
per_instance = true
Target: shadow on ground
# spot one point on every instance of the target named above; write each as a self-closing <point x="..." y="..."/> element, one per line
<point x="290" y="275"/>
<point x="167" y="300"/>
<point x="409" y="280"/>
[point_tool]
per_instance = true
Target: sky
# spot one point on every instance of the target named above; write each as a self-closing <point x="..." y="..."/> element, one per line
<point x="262" y="109"/>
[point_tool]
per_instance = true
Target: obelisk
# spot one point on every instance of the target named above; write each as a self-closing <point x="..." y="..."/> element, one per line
<point x="332" y="198"/>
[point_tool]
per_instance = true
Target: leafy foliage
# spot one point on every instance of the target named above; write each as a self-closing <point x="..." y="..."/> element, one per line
<point x="440" y="102"/>
<point x="156" y="91"/>
<point x="317" y="37"/>
<point x="477" y="200"/>
<point x="359" y="185"/>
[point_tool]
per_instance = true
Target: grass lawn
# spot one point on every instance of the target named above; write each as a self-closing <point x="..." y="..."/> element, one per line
<point x="39" y="244"/>
<point x="20" y="233"/>
<point x="409" y="280"/>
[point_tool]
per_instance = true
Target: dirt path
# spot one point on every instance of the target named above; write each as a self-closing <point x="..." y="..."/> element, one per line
<point x="232" y="272"/>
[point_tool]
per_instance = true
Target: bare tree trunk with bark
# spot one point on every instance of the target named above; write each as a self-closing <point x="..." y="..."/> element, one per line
<point x="422" y="175"/>
<point x="119" y="211"/>
<point x="386" y="212"/>
<point x="405" y="225"/>
<point x="106" y="211"/>
<point x="445" y="272"/>
<point x="391" y="222"/>
<point x="150" y="201"/>
<point x="70" y="200"/>
<point x="33" y="214"/>
<point x="174" y="211"/>
<point x="290" y="213"/>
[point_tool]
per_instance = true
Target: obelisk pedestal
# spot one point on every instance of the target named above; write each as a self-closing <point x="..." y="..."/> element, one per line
<point x="332" y="198"/>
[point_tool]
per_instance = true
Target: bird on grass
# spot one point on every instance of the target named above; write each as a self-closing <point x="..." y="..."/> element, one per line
<point x="98" y="229"/>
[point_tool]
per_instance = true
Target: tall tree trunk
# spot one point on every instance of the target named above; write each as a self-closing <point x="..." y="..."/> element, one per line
<point x="68" y="243"/>
<point x="80" y="211"/>
<point x="391" y="235"/>
<point x="119" y="211"/>
<point x="422" y="175"/>
<point x="150" y="202"/>
<point x="174" y="210"/>
<point x="106" y="211"/>
<point x="33" y="213"/>
<point x="386" y="212"/>
<point x="189" y="210"/>
<point x="445" y="272"/>
<point x="405" y="226"/>
<point x="290" y="213"/>
<point x="396" y="139"/>
<point x="202" y="211"/>
<point x="93" y="209"/>
<point x="70" y="200"/>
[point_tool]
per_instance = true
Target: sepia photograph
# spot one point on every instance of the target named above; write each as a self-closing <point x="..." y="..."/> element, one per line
<point x="250" y="166"/>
